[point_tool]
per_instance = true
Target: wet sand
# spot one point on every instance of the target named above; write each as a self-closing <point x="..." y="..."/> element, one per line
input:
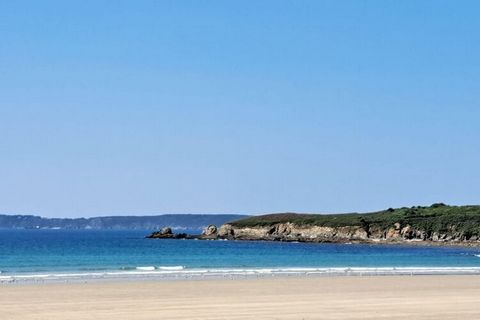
<point x="381" y="297"/>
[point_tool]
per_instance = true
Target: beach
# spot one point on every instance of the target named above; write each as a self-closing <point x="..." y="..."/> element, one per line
<point x="341" y="297"/>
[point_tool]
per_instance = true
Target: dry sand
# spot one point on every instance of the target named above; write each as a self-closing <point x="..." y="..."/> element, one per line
<point x="383" y="297"/>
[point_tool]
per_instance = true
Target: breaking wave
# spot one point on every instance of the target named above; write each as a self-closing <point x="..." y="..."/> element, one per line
<point x="180" y="272"/>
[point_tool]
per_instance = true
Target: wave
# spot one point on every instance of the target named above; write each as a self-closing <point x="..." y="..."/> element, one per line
<point x="149" y="268"/>
<point x="172" y="268"/>
<point x="145" y="268"/>
<point x="174" y="272"/>
<point x="168" y="268"/>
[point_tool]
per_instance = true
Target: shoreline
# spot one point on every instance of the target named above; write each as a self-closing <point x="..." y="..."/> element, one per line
<point x="204" y="274"/>
<point x="387" y="297"/>
<point x="413" y="242"/>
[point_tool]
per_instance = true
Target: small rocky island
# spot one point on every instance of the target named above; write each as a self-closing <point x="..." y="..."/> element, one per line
<point x="436" y="224"/>
<point x="209" y="233"/>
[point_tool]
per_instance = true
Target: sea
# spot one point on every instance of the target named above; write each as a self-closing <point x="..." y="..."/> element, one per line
<point x="68" y="255"/>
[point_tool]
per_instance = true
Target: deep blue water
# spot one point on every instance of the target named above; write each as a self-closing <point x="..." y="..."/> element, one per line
<point x="60" y="250"/>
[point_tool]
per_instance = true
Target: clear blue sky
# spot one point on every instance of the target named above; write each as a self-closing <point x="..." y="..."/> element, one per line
<point x="147" y="107"/>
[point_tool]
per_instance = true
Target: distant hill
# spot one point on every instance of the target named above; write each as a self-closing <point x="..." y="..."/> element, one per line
<point x="175" y="221"/>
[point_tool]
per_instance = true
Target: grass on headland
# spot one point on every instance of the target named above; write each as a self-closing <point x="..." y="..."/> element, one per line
<point x="435" y="218"/>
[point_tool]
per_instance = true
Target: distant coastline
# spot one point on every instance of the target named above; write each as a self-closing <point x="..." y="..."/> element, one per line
<point x="176" y="221"/>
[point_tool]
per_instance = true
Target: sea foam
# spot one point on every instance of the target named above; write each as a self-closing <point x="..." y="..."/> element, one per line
<point x="171" y="268"/>
<point x="179" y="272"/>
<point x="149" y="268"/>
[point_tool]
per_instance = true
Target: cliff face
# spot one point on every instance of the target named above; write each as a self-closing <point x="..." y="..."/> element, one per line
<point x="435" y="223"/>
<point x="438" y="223"/>
<point x="292" y="232"/>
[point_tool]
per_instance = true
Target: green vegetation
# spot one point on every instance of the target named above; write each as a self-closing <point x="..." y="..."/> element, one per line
<point x="436" y="218"/>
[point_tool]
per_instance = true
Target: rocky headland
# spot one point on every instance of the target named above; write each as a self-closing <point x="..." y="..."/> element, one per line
<point x="437" y="224"/>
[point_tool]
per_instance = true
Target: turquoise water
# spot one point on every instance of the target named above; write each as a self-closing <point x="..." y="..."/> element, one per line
<point x="40" y="251"/>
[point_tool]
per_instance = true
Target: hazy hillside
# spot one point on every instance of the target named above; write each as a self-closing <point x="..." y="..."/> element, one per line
<point x="176" y="221"/>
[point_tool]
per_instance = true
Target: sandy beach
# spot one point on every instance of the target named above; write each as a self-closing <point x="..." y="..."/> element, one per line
<point x="381" y="297"/>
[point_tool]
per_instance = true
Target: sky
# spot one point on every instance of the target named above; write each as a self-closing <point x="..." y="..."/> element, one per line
<point x="151" y="107"/>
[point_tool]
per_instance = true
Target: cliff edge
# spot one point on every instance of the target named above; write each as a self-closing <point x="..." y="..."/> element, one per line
<point x="438" y="223"/>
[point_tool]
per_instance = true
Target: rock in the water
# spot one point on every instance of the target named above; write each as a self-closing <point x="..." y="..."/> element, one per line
<point x="164" y="233"/>
<point x="166" y="230"/>
<point x="181" y="236"/>
<point x="167" y="233"/>
<point x="210" y="230"/>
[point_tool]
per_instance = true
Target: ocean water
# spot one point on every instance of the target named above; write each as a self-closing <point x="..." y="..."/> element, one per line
<point x="61" y="253"/>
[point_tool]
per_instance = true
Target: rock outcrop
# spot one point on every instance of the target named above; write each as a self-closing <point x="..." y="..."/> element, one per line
<point x="164" y="233"/>
<point x="167" y="233"/>
<point x="291" y="232"/>
<point x="209" y="232"/>
<point x="437" y="223"/>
